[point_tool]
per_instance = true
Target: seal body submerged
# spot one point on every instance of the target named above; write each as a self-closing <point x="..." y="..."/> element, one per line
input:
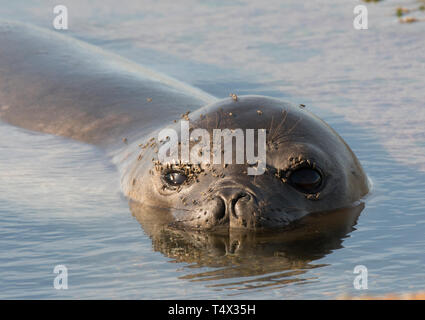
<point x="58" y="85"/>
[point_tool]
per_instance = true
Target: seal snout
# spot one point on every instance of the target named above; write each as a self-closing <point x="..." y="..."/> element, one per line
<point x="236" y="206"/>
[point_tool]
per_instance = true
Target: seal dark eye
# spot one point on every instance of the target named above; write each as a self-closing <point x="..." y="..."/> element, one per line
<point x="306" y="180"/>
<point x="175" y="178"/>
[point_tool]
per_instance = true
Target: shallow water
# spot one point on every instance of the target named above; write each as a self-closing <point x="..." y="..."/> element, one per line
<point x="60" y="201"/>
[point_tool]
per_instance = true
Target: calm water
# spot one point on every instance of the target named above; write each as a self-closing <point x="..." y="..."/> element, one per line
<point x="60" y="201"/>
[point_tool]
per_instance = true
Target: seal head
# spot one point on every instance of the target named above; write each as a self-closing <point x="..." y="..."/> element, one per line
<point x="308" y="168"/>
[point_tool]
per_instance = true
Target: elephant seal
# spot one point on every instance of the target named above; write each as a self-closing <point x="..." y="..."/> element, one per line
<point x="309" y="169"/>
<point x="55" y="84"/>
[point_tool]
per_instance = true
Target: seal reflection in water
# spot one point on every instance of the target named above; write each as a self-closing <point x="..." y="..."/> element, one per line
<point x="286" y="255"/>
<point x="55" y="84"/>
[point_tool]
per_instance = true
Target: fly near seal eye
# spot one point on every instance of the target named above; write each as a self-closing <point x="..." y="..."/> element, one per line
<point x="306" y="180"/>
<point x="175" y="178"/>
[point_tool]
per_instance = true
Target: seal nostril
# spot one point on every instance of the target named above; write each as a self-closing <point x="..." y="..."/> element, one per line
<point x="219" y="210"/>
<point x="235" y="199"/>
<point x="239" y="196"/>
<point x="231" y="202"/>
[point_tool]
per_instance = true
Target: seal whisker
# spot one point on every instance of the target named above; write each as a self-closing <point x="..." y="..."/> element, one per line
<point x="293" y="127"/>
<point x="275" y="134"/>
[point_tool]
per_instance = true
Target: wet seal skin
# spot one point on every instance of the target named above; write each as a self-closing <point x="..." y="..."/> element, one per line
<point x="309" y="169"/>
<point x="55" y="84"/>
